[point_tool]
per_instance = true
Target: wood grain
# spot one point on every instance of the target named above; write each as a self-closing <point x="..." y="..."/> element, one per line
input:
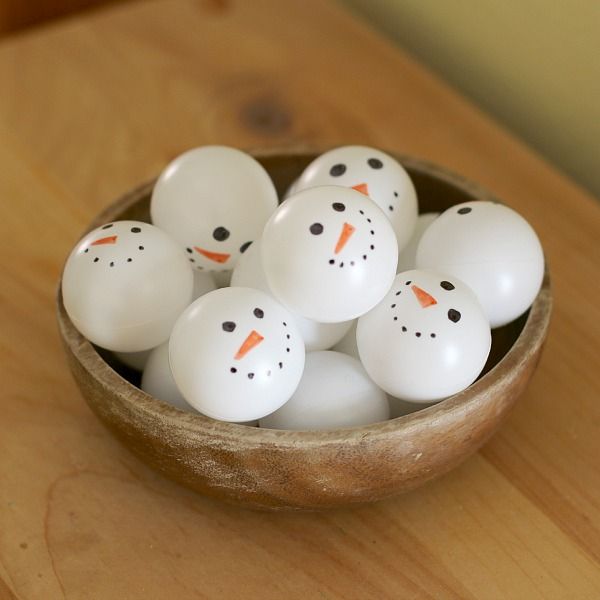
<point x="95" y="105"/>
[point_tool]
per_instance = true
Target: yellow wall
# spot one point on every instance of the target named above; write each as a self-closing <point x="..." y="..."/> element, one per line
<point x="533" y="64"/>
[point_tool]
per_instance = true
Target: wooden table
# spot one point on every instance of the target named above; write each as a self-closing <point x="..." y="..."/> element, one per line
<point x="96" y="104"/>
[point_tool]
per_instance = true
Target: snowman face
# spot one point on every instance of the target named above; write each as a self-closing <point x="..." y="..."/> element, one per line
<point x="236" y="355"/>
<point x="493" y="250"/>
<point x="125" y="284"/>
<point x="374" y="174"/>
<point x="214" y="201"/>
<point x="329" y="254"/>
<point x="427" y="339"/>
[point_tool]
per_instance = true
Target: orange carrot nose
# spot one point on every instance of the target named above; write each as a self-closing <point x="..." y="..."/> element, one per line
<point x="423" y="297"/>
<point x="111" y="239"/>
<point x="254" y="338"/>
<point x="347" y="231"/>
<point x="362" y="188"/>
<point x="216" y="256"/>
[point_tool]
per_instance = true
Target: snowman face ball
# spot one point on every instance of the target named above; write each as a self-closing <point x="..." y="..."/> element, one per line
<point x="124" y="285"/>
<point x="493" y="250"/>
<point x="428" y="339"/>
<point x="317" y="336"/>
<point x="236" y="355"/>
<point x="214" y="201"/>
<point x="329" y="254"/>
<point x="375" y="174"/>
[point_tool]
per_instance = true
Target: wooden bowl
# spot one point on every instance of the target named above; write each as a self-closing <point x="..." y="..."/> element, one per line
<point x="309" y="470"/>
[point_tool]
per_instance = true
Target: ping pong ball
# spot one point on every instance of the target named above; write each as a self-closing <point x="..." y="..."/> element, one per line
<point x="158" y="381"/>
<point x="372" y="172"/>
<point x="236" y="354"/>
<point x="214" y="201"/>
<point x="335" y="391"/>
<point x="124" y="285"/>
<point x="492" y="249"/>
<point x="317" y="336"/>
<point x="428" y="339"/>
<point x="329" y="254"/>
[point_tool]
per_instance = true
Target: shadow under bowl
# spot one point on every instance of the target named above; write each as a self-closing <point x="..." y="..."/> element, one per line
<point x="311" y="470"/>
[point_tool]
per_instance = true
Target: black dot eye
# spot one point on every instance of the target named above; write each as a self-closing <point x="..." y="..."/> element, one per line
<point x="228" y="326"/>
<point x="107" y="226"/>
<point x="259" y="313"/>
<point x="220" y="234"/>
<point x="375" y="163"/>
<point x="135" y="230"/>
<point x="454" y="315"/>
<point x="245" y="247"/>
<point x="316" y="229"/>
<point x="446" y="285"/>
<point x="339" y="206"/>
<point x="465" y="210"/>
<point x="337" y="170"/>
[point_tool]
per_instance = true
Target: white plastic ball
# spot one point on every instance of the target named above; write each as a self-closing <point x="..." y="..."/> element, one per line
<point x="158" y="381"/>
<point x="317" y="336"/>
<point x="374" y="173"/>
<point x="407" y="258"/>
<point x="335" y="391"/>
<point x="428" y="339"/>
<point x="124" y="285"/>
<point x="214" y="201"/>
<point x="236" y="354"/>
<point x="493" y="250"/>
<point x="329" y="254"/>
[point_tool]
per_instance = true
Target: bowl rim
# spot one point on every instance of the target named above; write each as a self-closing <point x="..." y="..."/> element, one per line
<point x="530" y="339"/>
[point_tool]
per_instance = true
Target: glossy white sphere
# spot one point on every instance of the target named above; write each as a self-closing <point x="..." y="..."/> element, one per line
<point x="317" y="336"/>
<point x="214" y="201"/>
<point x="157" y="379"/>
<point x="407" y="258"/>
<point x="428" y="339"/>
<point x="236" y="354"/>
<point x="329" y="254"/>
<point x="373" y="173"/>
<point x="124" y="285"/>
<point x="493" y="250"/>
<point x="335" y="391"/>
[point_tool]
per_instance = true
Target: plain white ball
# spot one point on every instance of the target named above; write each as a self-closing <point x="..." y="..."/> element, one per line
<point x="407" y="258"/>
<point x="158" y="381"/>
<point x="428" y="339"/>
<point x="493" y="250"/>
<point x="124" y="285"/>
<point x="317" y="336"/>
<point x="335" y="391"/>
<point x="214" y="200"/>
<point x="329" y="254"/>
<point x="375" y="174"/>
<point x="236" y="354"/>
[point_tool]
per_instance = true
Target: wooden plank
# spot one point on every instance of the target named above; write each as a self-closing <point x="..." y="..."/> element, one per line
<point x="94" y="106"/>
